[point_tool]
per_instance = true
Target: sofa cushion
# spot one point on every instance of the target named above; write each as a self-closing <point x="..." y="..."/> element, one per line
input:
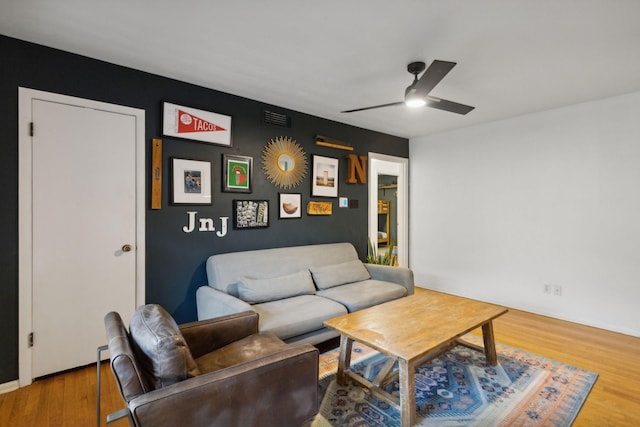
<point x="290" y="317"/>
<point x="359" y="295"/>
<point x="263" y="290"/>
<point x="223" y="270"/>
<point x="164" y="353"/>
<point x="332" y="275"/>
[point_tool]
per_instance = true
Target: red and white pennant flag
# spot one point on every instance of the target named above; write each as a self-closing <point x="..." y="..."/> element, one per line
<point x="187" y="122"/>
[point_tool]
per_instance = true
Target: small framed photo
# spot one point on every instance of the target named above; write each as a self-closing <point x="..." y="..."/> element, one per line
<point x="238" y="171"/>
<point x="289" y="204"/>
<point x="250" y="214"/>
<point x="190" y="182"/>
<point x="325" y="177"/>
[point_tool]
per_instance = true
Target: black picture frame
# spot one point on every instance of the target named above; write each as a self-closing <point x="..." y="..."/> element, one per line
<point x="289" y="205"/>
<point x="250" y="214"/>
<point x="237" y="173"/>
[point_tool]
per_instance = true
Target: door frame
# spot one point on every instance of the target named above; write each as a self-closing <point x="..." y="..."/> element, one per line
<point x="26" y="97"/>
<point x="383" y="164"/>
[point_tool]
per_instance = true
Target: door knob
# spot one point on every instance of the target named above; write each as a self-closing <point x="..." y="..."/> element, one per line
<point x="126" y="248"/>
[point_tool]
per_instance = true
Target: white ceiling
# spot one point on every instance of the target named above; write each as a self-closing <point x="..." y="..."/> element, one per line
<point x="320" y="57"/>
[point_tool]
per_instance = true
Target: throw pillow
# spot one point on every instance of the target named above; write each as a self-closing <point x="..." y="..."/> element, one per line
<point x="255" y="291"/>
<point x="163" y="351"/>
<point x="332" y="275"/>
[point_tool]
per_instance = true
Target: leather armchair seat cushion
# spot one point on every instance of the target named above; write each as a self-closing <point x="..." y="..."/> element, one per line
<point x="162" y="350"/>
<point x="356" y="296"/>
<point x="253" y="347"/>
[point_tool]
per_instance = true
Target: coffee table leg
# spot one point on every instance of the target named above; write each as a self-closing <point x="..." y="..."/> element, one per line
<point x="489" y="343"/>
<point x="407" y="392"/>
<point x="344" y="361"/>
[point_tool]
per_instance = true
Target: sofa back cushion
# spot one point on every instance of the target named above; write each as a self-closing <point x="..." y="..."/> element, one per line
<point x="162" y="350"/>
<point x="225" y="270"/>
<point x="328" y="276"/>
<point x="255" y="291"/>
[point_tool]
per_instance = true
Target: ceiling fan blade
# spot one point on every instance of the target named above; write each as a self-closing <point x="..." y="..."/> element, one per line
<point x="436" y="72"/>
<point x="443" y="104"/>
<point x="375" y="106"/>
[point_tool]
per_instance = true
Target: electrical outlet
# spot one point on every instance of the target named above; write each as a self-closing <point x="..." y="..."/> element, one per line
<point x="557" y="290"/>
<point x="547" y="288"/>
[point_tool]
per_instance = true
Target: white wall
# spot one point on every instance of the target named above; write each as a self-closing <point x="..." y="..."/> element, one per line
<point x="499" y="209"/>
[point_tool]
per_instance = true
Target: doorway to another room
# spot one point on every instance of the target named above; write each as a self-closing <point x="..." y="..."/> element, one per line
<point x="387" y="217"/>
<point x="388" y="207"/>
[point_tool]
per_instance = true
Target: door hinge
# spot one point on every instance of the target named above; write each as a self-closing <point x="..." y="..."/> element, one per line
<point x="31" y="129"/>
<point x="30" y="340"/>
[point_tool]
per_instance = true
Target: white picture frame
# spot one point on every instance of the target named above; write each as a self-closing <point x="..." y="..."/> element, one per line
<point x="190" y="182"/>
<point x="199" y="125"/>
<point x="324" y="181"/>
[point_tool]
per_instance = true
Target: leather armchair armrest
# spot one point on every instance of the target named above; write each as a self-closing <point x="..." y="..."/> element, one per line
<point x="281" y="389"/>
<point x="204" y="336"/>
<point x="400" y="275"/>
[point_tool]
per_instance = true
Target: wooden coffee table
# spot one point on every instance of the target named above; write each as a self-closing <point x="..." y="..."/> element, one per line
<point x="412" y="330"/>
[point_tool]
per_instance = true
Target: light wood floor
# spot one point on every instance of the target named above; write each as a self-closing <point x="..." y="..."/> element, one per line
<point x="70" y="399"/>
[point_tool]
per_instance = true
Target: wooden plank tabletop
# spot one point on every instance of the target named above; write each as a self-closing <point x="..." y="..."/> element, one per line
<point x="410" y="326"/>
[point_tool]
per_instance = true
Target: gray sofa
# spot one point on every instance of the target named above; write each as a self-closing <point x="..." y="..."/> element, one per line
<point x="295" y="289"/>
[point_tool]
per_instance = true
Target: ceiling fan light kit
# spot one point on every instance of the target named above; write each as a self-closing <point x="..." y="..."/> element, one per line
<point x="414" y="102"/>
<point x="411" y="99"/>
<point x="417" y="93"/>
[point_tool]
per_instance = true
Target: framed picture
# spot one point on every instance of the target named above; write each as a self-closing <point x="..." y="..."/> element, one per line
<point x="238" y="171"/>
<point x="325" y="177"/>
<point x="190" y="182"/>
<point x="250" y="214"/>
<point x="289" y="205"/>
<point x="319" y="208"/>
<point x="198" y="125"/>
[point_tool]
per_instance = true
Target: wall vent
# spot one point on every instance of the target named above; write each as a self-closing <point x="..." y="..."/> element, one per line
<point x="277" y="119"/>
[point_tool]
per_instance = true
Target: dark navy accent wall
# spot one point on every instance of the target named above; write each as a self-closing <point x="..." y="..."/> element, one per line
<point x="174" y="259"/>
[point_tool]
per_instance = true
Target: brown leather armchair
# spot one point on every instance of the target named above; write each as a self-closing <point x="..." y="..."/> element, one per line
<point x="240" y="377"/>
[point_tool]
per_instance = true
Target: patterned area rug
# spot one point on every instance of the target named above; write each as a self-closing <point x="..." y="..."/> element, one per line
<point x="459" y="389"/>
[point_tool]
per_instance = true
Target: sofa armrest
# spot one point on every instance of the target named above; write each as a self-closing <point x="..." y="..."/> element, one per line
<point x="281" y="389"/>
<point x="400" y="275"/>
<point x="205" y="336"/>
<point x="214" y="303"/>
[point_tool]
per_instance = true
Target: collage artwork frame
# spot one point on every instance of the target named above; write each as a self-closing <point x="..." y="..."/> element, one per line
<point x="248" y="214"/>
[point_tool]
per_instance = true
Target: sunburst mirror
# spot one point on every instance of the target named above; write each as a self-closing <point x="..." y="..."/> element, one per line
<point x="284" y="162"/>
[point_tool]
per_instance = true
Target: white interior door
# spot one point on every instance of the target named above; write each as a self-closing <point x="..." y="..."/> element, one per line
<point x="84" y="229"/>
<point x="381" y="164"/>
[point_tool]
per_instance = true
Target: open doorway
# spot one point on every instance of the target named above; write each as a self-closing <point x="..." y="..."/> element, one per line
<point x="388" y="206"/>
<point x="387" y="215"/>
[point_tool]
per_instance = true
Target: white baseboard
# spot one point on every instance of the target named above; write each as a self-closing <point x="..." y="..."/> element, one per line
<point x="10" y="386"/>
